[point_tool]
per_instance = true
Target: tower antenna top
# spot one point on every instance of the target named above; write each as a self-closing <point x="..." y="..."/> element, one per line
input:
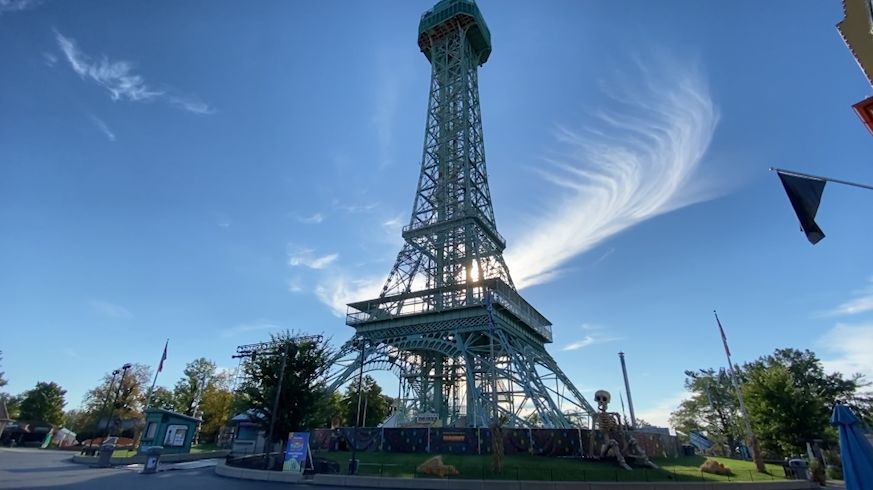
<point x="448" y="16"/>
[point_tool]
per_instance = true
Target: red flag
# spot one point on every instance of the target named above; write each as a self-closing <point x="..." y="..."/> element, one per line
<point x="164" y="356"/>
<point x="723" y="337"/>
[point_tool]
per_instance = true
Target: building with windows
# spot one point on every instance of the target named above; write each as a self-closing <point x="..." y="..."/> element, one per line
<point x="174" y="431"/>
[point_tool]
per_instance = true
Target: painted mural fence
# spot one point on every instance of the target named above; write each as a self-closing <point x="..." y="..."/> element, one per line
<point x="546" y="442"/>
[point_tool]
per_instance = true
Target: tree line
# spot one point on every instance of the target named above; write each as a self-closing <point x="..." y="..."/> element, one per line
<point x="788" y="395"/>
<point x="206" y="391"/>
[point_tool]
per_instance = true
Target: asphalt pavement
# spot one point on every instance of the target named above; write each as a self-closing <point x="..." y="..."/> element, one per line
<point x="35" y="468"/>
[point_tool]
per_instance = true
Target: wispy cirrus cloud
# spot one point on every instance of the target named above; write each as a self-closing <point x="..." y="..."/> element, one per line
<point x="337" y="290"/>
<point x="110" y="310"/>
<point x="120" y="79"/>
<point x="49" y="59"/>
<point x="306" y="257"/>
<point x="595" y="334"/>
<point x="861" y="303"/>
<point x="640" y="160"/>
<point x="102" y="126"/>
<point x="393" y="73"/>
<point x="7" y="6"/>
<point x="658" y="413"/>
<point x="848" y="349"/>
<point x="311" y="220"/>
<point x="257" y="326"/>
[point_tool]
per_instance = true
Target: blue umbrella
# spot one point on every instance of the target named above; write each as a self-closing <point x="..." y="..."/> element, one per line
<point x="855" y="451"/>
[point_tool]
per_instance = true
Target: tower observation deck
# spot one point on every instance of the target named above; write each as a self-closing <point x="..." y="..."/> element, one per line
<point x="449" y="322"/>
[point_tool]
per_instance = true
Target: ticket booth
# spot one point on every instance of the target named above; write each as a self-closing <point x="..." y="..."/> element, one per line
<point x="173" y="431"/>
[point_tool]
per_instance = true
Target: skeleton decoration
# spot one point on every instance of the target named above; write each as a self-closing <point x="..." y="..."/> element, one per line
<point x="609" y="423"/>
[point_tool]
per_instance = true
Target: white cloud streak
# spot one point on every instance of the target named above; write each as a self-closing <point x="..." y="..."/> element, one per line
<point x="306" y="257"/>
<point x="250" y="327"/>
<point x="861" y="303"/>
<point x="311" y="220"/>
<point x="849" y="349"/>
<point x="639" y="162"/>
<point x="49" y="59"/>
<point x="658" y="413"/>
<point x="7" y="6"/>
<point x="339" y="290"/>
<point x="110" y="310"/>
<point x="120" y="80"/>
<point x="103" y="127"/>
<point x="593" y="336"/>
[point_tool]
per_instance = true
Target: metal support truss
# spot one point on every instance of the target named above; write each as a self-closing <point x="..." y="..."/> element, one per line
<point x="429" y="326"/>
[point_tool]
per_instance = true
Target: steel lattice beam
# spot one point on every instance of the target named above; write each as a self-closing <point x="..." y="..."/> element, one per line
<point x="429" y="325"/>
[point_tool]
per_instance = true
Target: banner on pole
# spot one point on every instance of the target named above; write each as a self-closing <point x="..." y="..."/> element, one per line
<point x="296" y="452"/>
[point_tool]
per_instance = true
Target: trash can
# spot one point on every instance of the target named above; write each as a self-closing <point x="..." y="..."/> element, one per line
<point x="799" y="469"/>
<point x="153" y="457"/>
<point x="106" y="450"/>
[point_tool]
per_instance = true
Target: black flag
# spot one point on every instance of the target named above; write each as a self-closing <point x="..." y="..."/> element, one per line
<point x="805" y="196"/>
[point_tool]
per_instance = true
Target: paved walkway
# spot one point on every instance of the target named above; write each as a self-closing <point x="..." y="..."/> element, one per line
<point x="43" y="469"/>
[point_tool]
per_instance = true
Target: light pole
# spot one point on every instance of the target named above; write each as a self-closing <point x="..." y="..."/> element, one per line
<point x="115" y="401"/>
<point x="278" y="392"/>
<point x="105" y="404"/>
<point x="353" y="465"/>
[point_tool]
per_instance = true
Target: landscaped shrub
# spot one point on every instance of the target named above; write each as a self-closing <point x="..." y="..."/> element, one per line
<point x="716" y="468"/>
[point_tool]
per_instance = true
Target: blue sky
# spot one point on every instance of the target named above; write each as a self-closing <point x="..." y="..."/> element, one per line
<point x="214" y="171"/>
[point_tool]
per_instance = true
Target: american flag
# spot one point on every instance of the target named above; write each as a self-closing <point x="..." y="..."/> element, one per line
<point x="723" y="337"/>
<point x="163" y="357"/>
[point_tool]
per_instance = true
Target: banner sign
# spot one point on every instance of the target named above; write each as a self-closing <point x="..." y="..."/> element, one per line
<point x="296" y="452"/>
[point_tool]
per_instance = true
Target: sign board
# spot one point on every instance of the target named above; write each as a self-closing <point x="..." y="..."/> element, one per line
<point x="296" y="452"/>
<point x="699" y="440"/>
<point x="426" y="418"/>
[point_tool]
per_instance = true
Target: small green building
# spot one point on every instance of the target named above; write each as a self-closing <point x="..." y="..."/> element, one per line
<point x="174" y="431"/>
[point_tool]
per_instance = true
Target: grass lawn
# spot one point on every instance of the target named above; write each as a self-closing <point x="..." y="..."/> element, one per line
<point x="544" y="468"/>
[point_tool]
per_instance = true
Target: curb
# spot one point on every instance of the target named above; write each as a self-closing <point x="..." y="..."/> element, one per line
<point x="222" y="469"/>
<point x="141" y="458"/>
<point x="438" y="484"/>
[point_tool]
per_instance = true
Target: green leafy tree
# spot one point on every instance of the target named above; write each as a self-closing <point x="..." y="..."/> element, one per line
<point x="76" y="420"/>
<point x="711" y="409"/>
<point x="162" y="398"/>
<point x="197" y="372"/>
<point x="44" y="403"/>
<point x="302" y="386"/>
<point x="330" y="411"/>
<point x="3" y="380"/>
<point x="132" y="392"/>
<point x="790" y="399"/>
<point x="374" y="405"/>
<point x="13" y="404"/>
<point x="214" y="406"/>
<point x="216" y="410"/>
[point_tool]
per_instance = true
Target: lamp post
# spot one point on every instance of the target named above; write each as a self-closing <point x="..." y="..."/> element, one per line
<point x="353" y="465"/>
<point x="278" y="392"/>
<point x="115" y="401"/>
<point x="105" y="404"/>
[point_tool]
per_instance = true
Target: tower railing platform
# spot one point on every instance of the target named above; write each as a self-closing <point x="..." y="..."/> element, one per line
<point x="450" y="298"/>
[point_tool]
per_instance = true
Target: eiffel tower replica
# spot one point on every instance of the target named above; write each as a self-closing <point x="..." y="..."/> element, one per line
<point x="466" y="347"/>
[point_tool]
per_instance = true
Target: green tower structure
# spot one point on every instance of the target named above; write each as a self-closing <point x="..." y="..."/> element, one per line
<point x="465" y="345"/>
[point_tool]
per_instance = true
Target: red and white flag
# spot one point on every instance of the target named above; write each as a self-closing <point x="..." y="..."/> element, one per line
<point x="164" y="356"/>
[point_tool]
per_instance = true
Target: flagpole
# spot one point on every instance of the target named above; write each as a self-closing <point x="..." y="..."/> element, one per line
<point x="158" y="371"/>
<point x="753" y="441"/>
<point x="818" y="177"/>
